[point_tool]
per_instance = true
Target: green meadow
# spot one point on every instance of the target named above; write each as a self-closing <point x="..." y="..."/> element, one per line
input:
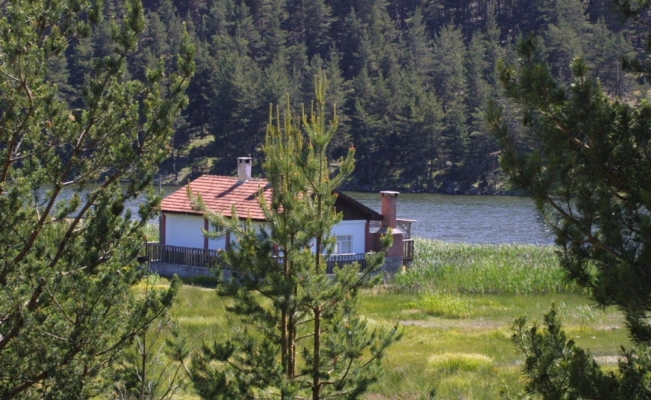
<point x="455" y="306"/>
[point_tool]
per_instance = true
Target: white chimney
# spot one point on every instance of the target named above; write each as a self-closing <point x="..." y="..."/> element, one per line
<point x="243" y="169"/>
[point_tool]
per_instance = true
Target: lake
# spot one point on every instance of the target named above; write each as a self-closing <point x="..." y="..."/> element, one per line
<point x="454" y="218"/>
<point x="471" y="219"/>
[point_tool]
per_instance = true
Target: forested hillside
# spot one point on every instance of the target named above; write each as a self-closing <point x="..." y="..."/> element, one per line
<point x="410" y="78"/>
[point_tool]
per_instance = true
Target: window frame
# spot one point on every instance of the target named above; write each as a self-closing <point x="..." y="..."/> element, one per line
<point x="341" y="239"/>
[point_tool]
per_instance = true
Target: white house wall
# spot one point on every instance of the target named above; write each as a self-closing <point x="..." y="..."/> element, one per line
<point x="184" y="230"/>
<point x="354" y="228"/>
<point x="216" y="243"/>
<point x="258" y="226"/>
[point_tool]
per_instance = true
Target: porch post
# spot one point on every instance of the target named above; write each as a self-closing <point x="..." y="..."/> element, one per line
<point x="161" y="228"/>
<point x="206" y="226"/>
<point x="367" y="237"/>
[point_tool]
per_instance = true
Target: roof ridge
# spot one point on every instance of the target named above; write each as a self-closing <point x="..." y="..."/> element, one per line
<point x="228" y="177"/>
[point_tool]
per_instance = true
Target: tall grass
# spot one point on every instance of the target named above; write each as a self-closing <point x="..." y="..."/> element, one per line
<point x="483" y="269"/>
<point x="152" y="232"/>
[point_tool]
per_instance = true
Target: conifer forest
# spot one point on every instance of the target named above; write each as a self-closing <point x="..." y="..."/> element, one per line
<point x="410" y="78"/>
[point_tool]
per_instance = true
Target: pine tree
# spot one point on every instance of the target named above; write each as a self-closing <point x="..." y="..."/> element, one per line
<point x="233" y="78"/>
<point x="604" y="57"/>
<point x="418" y="53"/>
<point x="68" y="248"/>
<point x="563" y="41"/>
<point x="449" y="79"/>
<point x="349" y="43"/>
<point x="479" y="62"/>
<point x="268" y="16"/>
<point x="375" y="130"/>
<point x="421" y="126"/>
<point x="318" y="22"/>
<point x="338" y="95"/>
<point x="79" y="67"/>
<point x="589" y="173"/>
<point x="303" y="336"/>
<point x="308" y="23"/>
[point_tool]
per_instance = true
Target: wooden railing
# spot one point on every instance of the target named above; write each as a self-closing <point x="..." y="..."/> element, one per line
<point x="405" y="224"/>
<point x="339" y="260"/>
<point x="191" y="257"/>
<point x="408" y="249"/>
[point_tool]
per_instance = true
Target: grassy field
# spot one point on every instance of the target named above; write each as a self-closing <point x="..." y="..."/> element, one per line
<point x="472" y="357"/>
<point x="455" y="306"/>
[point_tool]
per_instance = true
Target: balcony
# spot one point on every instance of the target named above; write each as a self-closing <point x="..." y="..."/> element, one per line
<point x="191" y="257"/>
<point x="186" y="261"/>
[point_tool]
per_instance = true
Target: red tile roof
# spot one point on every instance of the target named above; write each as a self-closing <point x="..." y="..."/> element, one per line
<point x="219" y="194"/>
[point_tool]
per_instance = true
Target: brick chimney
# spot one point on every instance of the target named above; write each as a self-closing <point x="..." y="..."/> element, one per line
<point x="389" y="208"/>
<point x="394" y="254"/>
<point x="243" y="169"/>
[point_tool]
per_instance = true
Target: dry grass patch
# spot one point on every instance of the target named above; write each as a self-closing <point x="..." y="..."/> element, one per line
<point x="455" y="362"/>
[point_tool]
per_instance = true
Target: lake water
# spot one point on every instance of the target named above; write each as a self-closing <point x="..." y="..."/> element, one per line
<point x="453" y="218"/>
<point x="471" y="219"/>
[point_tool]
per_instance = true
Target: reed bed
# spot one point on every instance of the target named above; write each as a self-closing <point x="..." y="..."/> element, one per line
<point x="483" y="269"/>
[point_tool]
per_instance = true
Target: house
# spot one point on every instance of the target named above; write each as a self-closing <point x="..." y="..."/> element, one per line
<point x="184" y="250"/>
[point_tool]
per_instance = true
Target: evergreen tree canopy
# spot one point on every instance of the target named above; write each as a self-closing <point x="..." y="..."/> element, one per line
<point x="589" y="172"/>
<point x="68" y="248"/>
<point x="251" y="53"/>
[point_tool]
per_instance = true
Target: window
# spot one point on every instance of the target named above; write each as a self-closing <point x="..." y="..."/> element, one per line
<point x="344" y="244"/>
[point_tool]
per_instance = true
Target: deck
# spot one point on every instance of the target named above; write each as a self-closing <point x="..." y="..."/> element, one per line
<point x="191" y="257"/>
<point x="186" y="261"/>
